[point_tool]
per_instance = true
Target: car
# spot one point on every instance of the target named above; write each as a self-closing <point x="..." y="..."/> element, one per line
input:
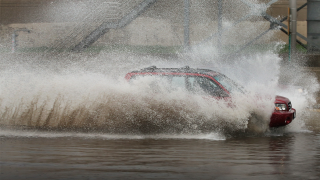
<point x="214" y="84"/>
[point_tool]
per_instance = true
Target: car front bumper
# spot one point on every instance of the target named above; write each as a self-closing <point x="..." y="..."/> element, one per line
<point x="282" y="118"/>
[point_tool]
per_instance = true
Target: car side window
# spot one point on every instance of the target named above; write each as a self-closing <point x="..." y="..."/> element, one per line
<point x="178" y="82"/>
<point x="204" y="85"/>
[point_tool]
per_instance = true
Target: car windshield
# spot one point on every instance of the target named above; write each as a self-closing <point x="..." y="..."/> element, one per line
<point x="230" y="85"/>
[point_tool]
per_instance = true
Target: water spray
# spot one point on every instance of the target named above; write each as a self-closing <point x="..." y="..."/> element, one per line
<point x="186" y="24"/>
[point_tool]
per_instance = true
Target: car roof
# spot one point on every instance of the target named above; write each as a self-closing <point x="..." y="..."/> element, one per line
<point x="185" y="69"/>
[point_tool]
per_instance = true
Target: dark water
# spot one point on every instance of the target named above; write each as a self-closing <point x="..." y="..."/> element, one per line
<point x="53" y="155"/>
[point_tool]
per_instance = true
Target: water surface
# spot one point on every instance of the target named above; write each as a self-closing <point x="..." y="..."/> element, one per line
<point x="54" y="155"/>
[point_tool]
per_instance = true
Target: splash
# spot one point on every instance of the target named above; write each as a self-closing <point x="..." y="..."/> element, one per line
<point x="86" y="92"/>
<point x="80" y="93"/>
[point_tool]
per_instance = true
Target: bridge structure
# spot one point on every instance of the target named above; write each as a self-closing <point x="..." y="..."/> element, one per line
<point x="101" y="17"/>
<point x="120" y="20"/>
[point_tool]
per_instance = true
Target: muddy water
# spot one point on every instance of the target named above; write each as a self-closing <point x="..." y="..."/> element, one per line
<point x="278" y="154"/>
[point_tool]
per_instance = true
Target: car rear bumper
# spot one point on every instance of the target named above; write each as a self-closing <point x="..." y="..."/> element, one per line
<point x="282" y="118"/>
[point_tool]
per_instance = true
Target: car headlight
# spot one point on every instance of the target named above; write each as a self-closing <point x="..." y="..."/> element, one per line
<point x="280" y="107"/>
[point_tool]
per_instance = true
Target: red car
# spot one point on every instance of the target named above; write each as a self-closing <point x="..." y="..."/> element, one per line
<point x="213" y="84"/>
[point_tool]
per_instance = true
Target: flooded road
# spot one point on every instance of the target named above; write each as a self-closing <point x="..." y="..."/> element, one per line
<point x="72" y="115"/>
<point x="55" y="155"/>
<point x="83" y="121"/>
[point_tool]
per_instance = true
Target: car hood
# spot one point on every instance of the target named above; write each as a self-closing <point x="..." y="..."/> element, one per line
<point x="281" y="99"/>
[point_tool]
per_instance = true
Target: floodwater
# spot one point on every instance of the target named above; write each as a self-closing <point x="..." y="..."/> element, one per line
<point x="55" y="155"/>
<point x="74" y="117"/>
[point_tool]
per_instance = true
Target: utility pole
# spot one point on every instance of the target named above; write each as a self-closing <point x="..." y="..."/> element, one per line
<point x="293" y="27"/>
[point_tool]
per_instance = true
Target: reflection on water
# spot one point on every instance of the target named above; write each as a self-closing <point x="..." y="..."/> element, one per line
<point x="273" y="156"/>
